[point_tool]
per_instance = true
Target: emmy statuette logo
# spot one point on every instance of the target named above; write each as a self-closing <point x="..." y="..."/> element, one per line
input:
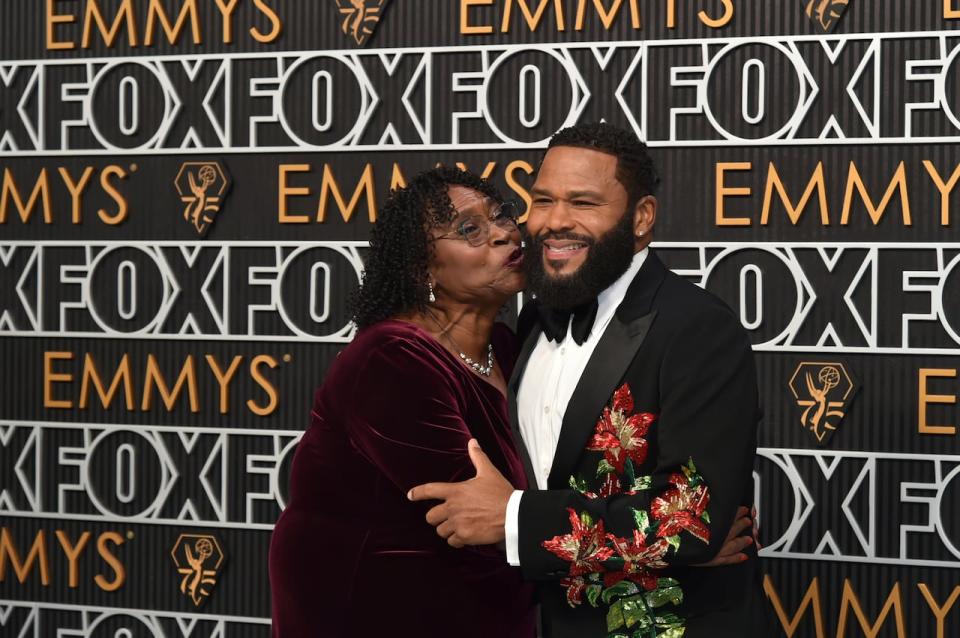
<point x="202" y="186"/>
<point x="360" y="18"/>
<point x="826" y="13"/>
<point x="198" y="558"/>
<point x="823" y="391"/>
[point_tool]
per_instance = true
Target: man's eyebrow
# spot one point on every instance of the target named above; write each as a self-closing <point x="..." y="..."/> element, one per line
<point x="569" y="195"/>
<point x="584" y="193"/>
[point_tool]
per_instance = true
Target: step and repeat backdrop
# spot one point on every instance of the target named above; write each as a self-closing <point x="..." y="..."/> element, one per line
<point x="188" y="185"/>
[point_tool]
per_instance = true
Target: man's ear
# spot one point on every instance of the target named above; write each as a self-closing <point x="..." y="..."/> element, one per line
<point x="644" y="217"/>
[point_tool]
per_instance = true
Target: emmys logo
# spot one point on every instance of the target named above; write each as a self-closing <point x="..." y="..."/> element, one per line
<point x="360" y="17"/>
<point x="824" y="391"/>
<point x="201" y="186"/>
<point x="826" y="13"/>
<point x="197" y="557"/>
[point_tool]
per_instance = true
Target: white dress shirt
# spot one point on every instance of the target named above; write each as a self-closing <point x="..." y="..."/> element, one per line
<point x="552" y="374"/>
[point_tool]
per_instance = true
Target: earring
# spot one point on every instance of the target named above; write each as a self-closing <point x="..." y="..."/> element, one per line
<point x="640" y="233"/>
<point x="431" y="297"/>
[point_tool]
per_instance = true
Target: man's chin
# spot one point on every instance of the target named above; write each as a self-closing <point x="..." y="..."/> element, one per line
<point x="562" y="268"/>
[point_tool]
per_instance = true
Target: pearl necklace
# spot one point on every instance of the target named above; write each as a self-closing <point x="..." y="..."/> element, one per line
<point x="484" y="370"/>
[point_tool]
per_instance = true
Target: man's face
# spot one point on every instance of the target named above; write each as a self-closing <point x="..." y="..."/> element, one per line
<point x="577" y="200"/>
<point x="581" y="235"/>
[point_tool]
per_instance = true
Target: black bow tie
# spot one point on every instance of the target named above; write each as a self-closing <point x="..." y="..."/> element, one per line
<point x="555" y="322"/>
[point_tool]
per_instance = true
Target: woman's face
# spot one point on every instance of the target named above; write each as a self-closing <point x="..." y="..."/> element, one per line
<point x="487" y="274"/>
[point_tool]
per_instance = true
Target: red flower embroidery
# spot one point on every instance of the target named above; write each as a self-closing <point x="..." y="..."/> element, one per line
<point x="681" y="508"/>
<point x="637" y="554"/>
<point x="575" y="589"/>
<point x="611" y="486"/>
<point x="584" y="548"/>
<point x="623" y="399"/>
<point x="619" y="435"/>
<point x="644" y="578"/>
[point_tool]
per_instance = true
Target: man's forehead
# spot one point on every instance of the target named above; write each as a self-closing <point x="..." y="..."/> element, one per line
<point x="577" y="169"/>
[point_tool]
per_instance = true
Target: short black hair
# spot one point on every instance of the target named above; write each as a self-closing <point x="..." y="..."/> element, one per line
<point x="395" y="270"/>
<point x="635" y="168"/>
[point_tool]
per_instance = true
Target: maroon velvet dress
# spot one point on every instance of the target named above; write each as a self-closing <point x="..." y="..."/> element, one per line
<point x="350" y="555"/>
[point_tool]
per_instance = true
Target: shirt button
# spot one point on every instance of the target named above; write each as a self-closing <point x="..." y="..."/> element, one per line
<point x="563" y="351"/>
<point x="546" y="409"/>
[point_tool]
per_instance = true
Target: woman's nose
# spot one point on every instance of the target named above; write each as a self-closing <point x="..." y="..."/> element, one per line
<point x="500" y="235"/>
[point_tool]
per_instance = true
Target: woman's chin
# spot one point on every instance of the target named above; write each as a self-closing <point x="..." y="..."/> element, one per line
<point x="518" y="283"/>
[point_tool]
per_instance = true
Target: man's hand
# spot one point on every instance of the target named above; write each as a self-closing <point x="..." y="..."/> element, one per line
<point x="472" y="512"/>
<point x="732" y="551"/>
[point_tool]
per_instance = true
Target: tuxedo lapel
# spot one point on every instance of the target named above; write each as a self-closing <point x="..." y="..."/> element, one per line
<point x="607" y="365"/>
<point x="512" y="387"/>
<point x="599" y="379"/>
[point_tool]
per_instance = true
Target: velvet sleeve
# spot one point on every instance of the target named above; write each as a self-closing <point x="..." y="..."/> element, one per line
<point x="680" y="514"/>
<point x="404" y="415"/>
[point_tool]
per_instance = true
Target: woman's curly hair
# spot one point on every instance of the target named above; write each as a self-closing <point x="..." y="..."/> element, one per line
<point x="395" y="273"/>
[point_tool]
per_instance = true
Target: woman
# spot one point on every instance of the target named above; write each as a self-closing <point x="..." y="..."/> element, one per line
<point x="427" y="371"/>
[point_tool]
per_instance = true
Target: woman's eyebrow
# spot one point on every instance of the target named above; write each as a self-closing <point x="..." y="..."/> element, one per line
<point x="476" y="208"/>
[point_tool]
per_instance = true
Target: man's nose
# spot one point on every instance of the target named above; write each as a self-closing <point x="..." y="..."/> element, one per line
<point x="558" y="217"/>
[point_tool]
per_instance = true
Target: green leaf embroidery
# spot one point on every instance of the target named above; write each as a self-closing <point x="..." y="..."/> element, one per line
<point x="623" y="588"/>
<point x="661" y="596"/>
<point x="642" y="483"/>
<point x="578" y="484"/>
<point x="605" y="468"/>
<point x="636" y="613"/>
<point x="674" y="542"/>
<point x="593" y="594"/>
<point x="615" y="619"/>
<point x="669" y="619"/>
<point x="706" y="517"/>
<point x="642" y="519"/>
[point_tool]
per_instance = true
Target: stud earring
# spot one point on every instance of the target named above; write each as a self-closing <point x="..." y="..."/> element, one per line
<point x="431" y="297"/>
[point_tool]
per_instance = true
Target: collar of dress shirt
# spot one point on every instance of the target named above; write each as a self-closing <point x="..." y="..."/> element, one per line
<point x="612" y="296"/>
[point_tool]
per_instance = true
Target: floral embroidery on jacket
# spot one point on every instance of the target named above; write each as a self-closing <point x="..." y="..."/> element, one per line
<point x="621" y="572"/>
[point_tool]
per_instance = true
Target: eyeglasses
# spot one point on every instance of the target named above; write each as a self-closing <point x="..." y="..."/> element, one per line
<point x="475" y="230"/>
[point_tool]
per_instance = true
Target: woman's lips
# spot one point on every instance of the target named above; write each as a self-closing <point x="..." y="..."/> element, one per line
<point x="516" y="259"/>
<point x="563" y="250"/>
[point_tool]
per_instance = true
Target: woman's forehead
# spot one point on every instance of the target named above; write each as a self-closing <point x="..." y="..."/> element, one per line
<point x="466" y="199"/>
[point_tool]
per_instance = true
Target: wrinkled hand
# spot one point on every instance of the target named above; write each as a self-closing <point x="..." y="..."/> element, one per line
<point x="472" y="512"/>
<point x="732" y="551"/>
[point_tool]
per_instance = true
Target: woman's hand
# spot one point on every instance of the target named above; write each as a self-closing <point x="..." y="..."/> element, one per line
<point x="732" y="551"/>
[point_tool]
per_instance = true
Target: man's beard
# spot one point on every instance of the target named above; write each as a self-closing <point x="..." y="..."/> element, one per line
<point x="607" y="259"/>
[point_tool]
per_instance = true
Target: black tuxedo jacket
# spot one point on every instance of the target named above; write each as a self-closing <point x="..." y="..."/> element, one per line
<point x="655" y="454"/>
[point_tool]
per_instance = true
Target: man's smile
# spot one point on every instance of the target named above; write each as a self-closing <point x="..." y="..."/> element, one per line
<point x="563" y="249"/>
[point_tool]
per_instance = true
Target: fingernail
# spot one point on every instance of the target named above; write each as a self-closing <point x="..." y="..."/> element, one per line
<point x="749" y="540"/>
<point x="410" y="495"/>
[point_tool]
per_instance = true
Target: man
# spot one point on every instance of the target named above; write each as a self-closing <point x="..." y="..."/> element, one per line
<point x="635" y="398"/>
